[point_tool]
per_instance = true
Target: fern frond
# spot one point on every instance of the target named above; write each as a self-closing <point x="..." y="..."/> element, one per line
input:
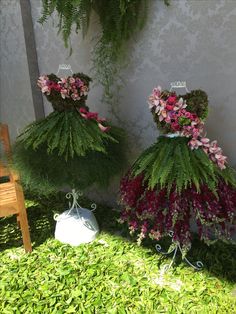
<point x="67" y="133"/>
<point x="170" y="163"/>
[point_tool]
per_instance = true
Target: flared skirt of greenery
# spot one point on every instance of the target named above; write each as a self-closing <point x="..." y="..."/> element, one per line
<point x="65" y="149"/>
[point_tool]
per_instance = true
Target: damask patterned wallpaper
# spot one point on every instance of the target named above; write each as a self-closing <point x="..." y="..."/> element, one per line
<point x="16" y="106"/>
<point x="192" y="40"/>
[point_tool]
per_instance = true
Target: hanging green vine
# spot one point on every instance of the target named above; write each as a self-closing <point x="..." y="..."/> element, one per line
<point x="120" y="20"/>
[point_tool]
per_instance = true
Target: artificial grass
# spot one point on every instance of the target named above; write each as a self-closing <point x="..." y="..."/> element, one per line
<point x="110" y="275"/>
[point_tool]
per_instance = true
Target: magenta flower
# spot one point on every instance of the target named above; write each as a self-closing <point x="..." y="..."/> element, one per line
<point x="94" y="116"/>
<point x="171" y="100"/>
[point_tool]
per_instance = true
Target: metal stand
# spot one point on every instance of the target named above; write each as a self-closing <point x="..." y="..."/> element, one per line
<point x="198" y="265"/>
<point x="75" y="195"/>
<point x="75" y="206"/>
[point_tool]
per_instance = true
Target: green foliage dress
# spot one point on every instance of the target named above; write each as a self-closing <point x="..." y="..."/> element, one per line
<point x="183" y="177"/>
<point x="71" y="146"/>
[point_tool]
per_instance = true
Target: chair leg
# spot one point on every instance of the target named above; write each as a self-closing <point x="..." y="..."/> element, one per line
<point x="25" y="230"/>
<point x="18" y="220"/>
<point x="22" y="218"/>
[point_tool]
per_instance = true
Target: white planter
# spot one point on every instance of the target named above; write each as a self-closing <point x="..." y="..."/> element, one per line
<point x="76" y="226"/>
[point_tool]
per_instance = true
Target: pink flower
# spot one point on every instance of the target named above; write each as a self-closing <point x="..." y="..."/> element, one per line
<point x="175" y="126"/>
<point x="43" y="82"/>
<point x="169" y="107"/>
<point x="221" y="162"/>
<point x="46" y="89"/>
<point x="84" y="90"/>
<point x="75" y="96"/>
<point x="83" y="112"/>
<point x="157" y="91"/>
<point x="92" y="115"/>
<point x="56" y="87"/>
<point x="181" y="104"/>
<point x="64" y="93"/>
<point x="154" y="98"/>
<point x="205" y="141"/>
<point x="71" y="80"/>
<point x="188" y="115"/>
<point x="103" y="128"/>
<point x="62" y="81"/>
<point x="163" y="115"/>
<point x="171" y="100"/>
<point x="194" y="143"/>
<point x="168" y="119"/>
<point x="214" y="148"/>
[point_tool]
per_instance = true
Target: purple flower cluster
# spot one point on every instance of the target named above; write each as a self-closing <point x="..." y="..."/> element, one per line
<point x="155" y="213"/>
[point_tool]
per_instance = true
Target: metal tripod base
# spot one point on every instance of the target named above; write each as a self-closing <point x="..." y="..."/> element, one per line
<point x="197" y="266"/>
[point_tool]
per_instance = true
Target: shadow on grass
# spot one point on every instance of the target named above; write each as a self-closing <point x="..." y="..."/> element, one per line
<point x="219" y="259"/>
<point x="40" y="212"/>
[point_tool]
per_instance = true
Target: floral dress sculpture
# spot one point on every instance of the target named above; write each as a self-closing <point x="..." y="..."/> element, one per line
<point x="183" y="177"/>
<point x="71" y="146"/>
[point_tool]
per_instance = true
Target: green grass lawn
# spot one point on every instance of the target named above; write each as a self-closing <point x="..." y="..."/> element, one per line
<point x="110" y="275"/>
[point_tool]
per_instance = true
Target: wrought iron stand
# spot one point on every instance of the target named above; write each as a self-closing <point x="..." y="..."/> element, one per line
<point x="197" y="266"/>
<point x="75" y="206"/>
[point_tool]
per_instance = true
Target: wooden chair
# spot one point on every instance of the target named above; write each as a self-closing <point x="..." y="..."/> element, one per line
<point x="11" y="194"/>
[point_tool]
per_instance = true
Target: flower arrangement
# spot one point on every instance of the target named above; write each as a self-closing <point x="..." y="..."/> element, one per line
<point x="69" y="92"/>
<point x="68" y="87"/>
<point x="171" y="111"/>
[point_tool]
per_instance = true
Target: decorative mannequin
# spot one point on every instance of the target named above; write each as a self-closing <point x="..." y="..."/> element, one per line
<point x="180" y="178"/>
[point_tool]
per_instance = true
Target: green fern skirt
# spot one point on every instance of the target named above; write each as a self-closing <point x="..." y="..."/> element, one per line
<point x="171" y="163"/>
<point x="65" y="149"/>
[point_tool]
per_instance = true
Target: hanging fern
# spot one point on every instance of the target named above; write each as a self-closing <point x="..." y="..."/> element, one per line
<point x="120" y="20"/>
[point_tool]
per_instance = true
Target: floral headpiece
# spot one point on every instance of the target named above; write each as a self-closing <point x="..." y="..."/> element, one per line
<point x="185" y="116"/>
